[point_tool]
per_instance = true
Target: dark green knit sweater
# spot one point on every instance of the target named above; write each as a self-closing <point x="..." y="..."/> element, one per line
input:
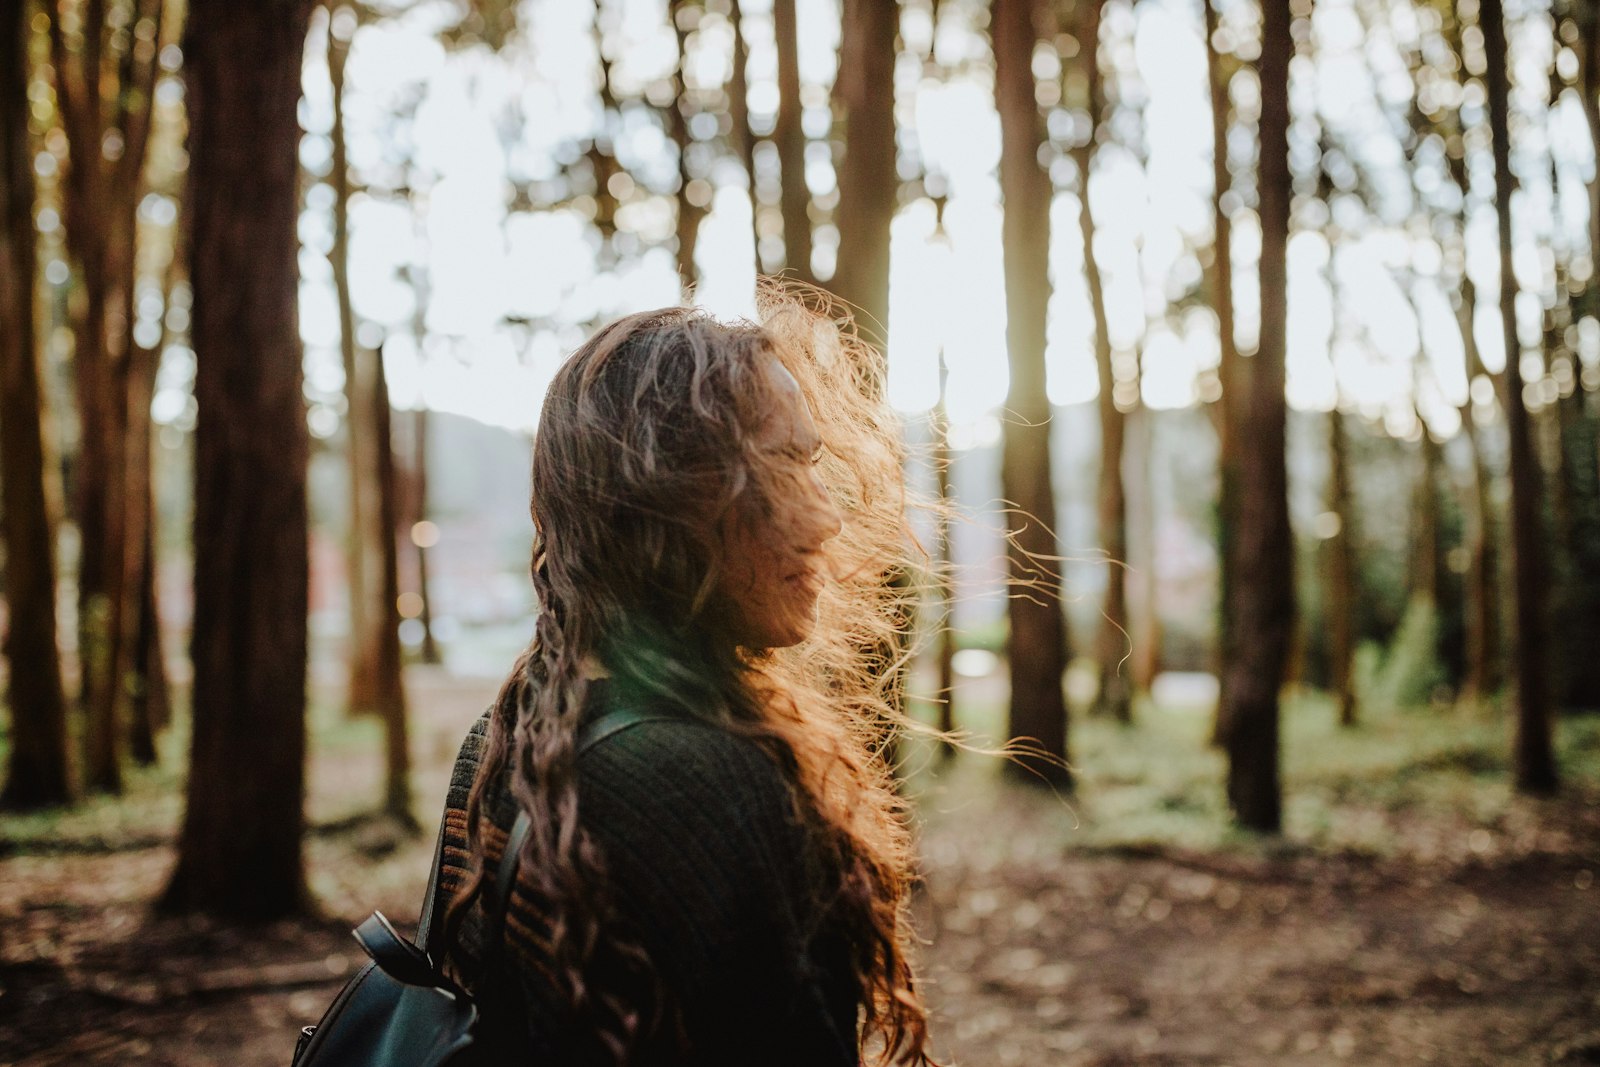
<point x="708" y="872"/>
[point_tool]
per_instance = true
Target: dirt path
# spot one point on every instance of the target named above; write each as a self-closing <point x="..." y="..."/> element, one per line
<point x="1039" y="952"/>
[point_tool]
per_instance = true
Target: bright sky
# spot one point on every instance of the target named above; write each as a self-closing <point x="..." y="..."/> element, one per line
<point x="469" y="119"/>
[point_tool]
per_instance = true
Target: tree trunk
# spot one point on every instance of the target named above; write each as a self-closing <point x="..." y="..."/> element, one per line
<point x="690" y="213"/>
<point x="1038" y="645"/>
<point x="1481" y="596"/>
<point x="868" y="182"/>
<point x="1341" y="573"/>
<point x="1535" y="767"/>
<point x="239" y="852"/>
<point x="1142" y="549"/>
<point x="150" y="705"/>
<point x="1115" y="697"/>
<point x="361" y="692"/>
<point x="790" y="137"/>
<point x="1260" y="602"/>
<point x="102" y="416"/>
<point x="419" y="512"/>
<point x="1588" y="51"/>
<point x="744" y="138"/>
<point x="104" y="90"/>
<point x="602" y="155"/>
<point x="1230" y="373"/>
<point x="391" y="684"/>
<point x="1427" y="574"/>
<point x="132" y="656"/>
<point x="40" y="769"/>
<point x="1582" y="475"/>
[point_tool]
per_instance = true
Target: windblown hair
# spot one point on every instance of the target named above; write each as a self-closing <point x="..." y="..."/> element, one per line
<point x="658" y="409"/>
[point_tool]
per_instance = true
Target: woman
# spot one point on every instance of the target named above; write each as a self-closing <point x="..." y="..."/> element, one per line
<point x="715" y="508"/>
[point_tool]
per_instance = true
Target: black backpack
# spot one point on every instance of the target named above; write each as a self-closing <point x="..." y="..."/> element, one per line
<point x="400" y="1010"/>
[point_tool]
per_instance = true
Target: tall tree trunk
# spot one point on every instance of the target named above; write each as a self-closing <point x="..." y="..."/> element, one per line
<point x="93" y="478"/>
<point x="1481" y="585"/>
<point x="104" y="89"/>
<point x="1260" y="600"/>
<point x="40" y="769"/>
<point x="150" y="704"/>
<point x="132" y="659"/>
<point x="239" y="853"/>
<point x="790" y="137"/>
<point x="1339" y="609"/>
<point x="150" y="701"/>
<point x="391" y="683"/>
<point x="690" y="213"/>
<point x="744" y="138"/>
<point x="1579" y="433"/>
<point x="419" y="513"/>
<point x="1230" y="372"/>
<point x="1142" y="551"/>
<point x="1588" y="51"/>
<point x="1428" y="567"/>
<point x="602" y="153"/>
<point x="1115" y="696"/>
<point x="78" y="94"/>
<point x="1534" y="760"/>
<point x="868" y="182"/>
<point x="361" y="691"/>
<point x="1038" y="645"/>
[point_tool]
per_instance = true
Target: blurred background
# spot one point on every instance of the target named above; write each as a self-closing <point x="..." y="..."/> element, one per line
<point x="1261" y="340"/>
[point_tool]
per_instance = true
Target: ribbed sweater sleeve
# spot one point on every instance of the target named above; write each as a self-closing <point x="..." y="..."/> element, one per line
<point x="707" y="867"/>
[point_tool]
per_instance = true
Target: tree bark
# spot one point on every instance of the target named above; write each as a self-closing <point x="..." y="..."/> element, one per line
<point x="1588" y="51"/>
<point x="868" y="182"/>
<point x="601" y="153"/>
<point x="790" y="137"/>
<point x="419" y="513"/>
<point x="1142" y="550"/>
<point x="149" y="700"/>
<point x="1533" y="758"/>
<point x="690" y="214"/>
<point x="1230" y="372"/>
<point x="138" y="547"/>
<point x="1427" y="575"/>
<point x="391" y="684"/>
<point x="1260" y="602"/>
<point x="150" y="704"/>
<point x="40" y="771"/>
<point x="1115" y="697"/>
<point x="744" y="138"/>
<point x="104" y="89"/>
<point x="361" y="692"/>
<point x="1581" y="472"/>
<point x="1038" y="646"/>
<point x="1341" y="573"/>
<point x="1481" y="597"/>
<point x="239" y="851"/>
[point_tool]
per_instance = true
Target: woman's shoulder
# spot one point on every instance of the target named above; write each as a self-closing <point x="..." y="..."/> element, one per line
<point x="665" y="755"/>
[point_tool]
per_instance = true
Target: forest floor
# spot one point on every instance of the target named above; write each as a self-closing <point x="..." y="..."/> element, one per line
<point x="1415" y="910"/>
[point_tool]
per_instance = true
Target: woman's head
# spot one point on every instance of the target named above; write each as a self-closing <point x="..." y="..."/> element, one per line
<point x="675" y="489"/>
<point x="718" y="513"/>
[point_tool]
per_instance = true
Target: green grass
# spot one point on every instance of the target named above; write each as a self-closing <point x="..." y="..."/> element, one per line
<point x="1403" y="780"/>
<point x="151" y="804"/>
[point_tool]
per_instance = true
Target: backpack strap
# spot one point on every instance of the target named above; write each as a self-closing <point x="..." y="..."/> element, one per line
<point x="591" y="734"/>
<point x="425" y="922"/>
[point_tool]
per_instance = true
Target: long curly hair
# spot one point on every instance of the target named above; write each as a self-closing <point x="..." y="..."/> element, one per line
<point x="644" y="445"/>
